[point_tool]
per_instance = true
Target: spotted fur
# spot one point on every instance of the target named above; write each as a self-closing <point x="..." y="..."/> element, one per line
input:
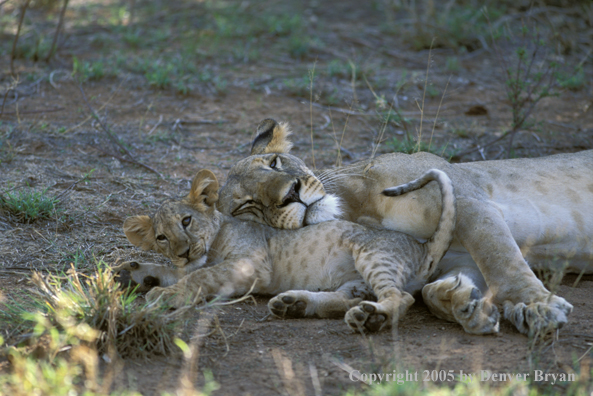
<point x="330" y="269"/>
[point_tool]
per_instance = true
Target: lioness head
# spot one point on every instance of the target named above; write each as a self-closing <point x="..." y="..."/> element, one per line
<point x="182" y="230"/>
<point x="275" y="188"/>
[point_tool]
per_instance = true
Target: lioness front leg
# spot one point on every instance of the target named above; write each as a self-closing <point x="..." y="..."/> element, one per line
<point x="307" y="304"/>
<point x="457" y="299"/>
<point x="527" y="303"/>
<point x="229" y="278"/>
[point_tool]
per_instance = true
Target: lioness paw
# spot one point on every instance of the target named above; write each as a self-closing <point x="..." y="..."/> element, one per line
<point x="367" y="316"/>
<point x="538" y="318"/>
<point x="478" y="315"/>
<point x="287" y="305"/>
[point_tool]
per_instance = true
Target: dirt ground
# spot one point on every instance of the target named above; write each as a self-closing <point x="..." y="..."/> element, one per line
<point x="49" y="141"/>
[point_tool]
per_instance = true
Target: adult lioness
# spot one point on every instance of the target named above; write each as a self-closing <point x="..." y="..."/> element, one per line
<point x="510" y="211"/>
<point x="324" y="270"/>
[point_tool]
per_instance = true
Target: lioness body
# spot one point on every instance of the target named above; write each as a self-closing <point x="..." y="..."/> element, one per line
<point x="508" y="211"/>
<point x="324" y="270"/>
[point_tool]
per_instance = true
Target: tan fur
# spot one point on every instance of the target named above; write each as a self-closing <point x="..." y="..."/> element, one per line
<point x="324" y="270"/>
<point x="510" y="212"/>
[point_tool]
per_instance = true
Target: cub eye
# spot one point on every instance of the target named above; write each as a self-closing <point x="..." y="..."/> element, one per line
<point x="161" y="238"/>
<point x="185" y="222"/>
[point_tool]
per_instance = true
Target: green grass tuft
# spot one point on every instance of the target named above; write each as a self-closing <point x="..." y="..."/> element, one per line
<point x="28" y="206"/>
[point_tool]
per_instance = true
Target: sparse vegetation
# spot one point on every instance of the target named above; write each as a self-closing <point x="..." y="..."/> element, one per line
<point x="28" y="205"/>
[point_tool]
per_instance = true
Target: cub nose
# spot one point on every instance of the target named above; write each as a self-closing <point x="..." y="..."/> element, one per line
<point x="124" y="278"/>
<point x="184" y="255"/>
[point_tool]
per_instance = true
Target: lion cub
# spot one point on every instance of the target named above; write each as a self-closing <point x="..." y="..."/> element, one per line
<point x="323" y="270"/>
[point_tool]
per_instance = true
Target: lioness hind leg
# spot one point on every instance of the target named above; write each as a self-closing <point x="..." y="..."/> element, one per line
<point x="456" y="298"/>
<point x="538" y="317"/>
<point x="307" y="304"/>
<point x="371" y="316"/>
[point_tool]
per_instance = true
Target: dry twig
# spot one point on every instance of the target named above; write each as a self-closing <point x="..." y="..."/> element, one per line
<point x="16" y="37"/>
<point x="60" y="23"/>
<point x="113" y="139"/>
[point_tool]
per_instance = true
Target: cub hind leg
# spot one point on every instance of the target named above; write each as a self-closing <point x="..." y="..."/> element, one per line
<point x="386" y="262"/>
<point x="457" y="295"/>
<point x="308" y="304"/>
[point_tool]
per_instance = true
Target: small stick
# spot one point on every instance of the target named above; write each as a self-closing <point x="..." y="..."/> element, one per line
<point x="60" y="23"/>
<point x="31" y="111"/>
<point x="16" y="38"/>
<point x="4" y="101"/>
<point x="131" y="161"/>
<point x="105" y="129"/>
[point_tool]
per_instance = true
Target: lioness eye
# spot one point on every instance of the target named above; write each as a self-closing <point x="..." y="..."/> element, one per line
<point x="273" y="164"/>
<point x="161" y="238"/>
<point x="186" y="220"/>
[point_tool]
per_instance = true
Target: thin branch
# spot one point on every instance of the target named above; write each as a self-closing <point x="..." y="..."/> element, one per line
<point x="16" y="38"/>
<point x="60" y="23"/>
<point x="4" y="101"/>
<point x="105" y="129"/>
<point x="32" y="111"/>
<point x="131" y="161"/>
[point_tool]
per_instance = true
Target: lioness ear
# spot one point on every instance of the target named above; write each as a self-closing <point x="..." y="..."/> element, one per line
<point x="204" y="190"/>
<point x="271" y="138"/>
<point x="139" y="231"/>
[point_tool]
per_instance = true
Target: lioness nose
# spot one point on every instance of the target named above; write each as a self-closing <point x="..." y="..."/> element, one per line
<point x="185" y="255"/>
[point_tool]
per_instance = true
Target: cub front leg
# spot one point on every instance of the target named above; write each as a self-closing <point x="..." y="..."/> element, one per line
<point x="146" y="275"/>
<point x="307" y="304"/>
<point x="229" y="278"/>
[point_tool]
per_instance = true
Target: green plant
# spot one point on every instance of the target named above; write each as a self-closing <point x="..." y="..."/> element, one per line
<point x="575" y="81"/>
<point x="283" y="25"/>
<point x="452" y="64"/>
<point x="87" y="70"/>
<point x="529" y="78"/>
<point x="159" y="75"/>
<point x="28" y="206"/>
<point x="458" y="25"/>
<point x="297" y="86"/>
<point x="298" y="46"/>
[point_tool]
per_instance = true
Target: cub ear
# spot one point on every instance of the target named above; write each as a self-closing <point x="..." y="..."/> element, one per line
<point x="204" y="190"/>
<point x="139" y="231"/>
<point x="272" y="137"/>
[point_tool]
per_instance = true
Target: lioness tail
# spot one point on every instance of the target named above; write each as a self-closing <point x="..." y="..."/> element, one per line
<point x="440" y="241"/>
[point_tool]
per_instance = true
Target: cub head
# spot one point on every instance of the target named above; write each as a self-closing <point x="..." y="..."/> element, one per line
<point x="182" y="230"/>
<point x="275" y="188"/>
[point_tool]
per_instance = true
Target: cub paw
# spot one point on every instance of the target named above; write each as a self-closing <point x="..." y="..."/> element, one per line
<point x="286" y="305"/>
<point x="131" y="274"/>
<point x="367" y="316"/>
<point x="538" y="318"/>
<point x="478" y="315"/>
